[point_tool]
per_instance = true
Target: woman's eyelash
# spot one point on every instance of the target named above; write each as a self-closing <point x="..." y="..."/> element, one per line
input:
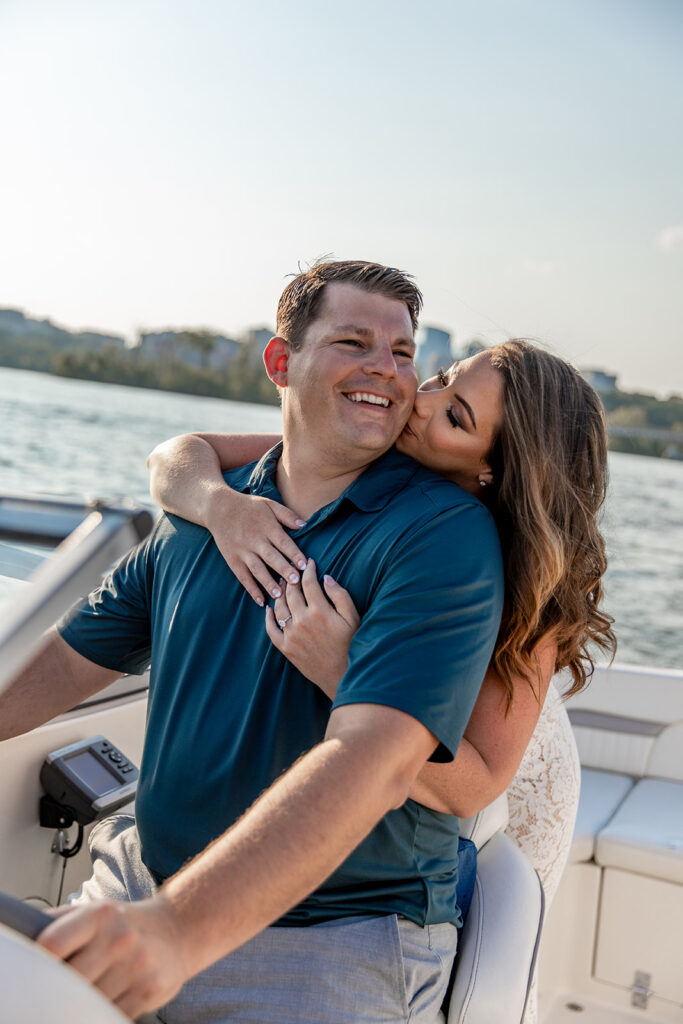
<point x="443" y="381"/>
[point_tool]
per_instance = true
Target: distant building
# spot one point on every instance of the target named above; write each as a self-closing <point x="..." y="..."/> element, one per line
<point x="471" y="348"/>
<point x="93" y="339"/>
<point x="601" y="381"/>
<point x="16" y="324"/>
<point x="194" y="348"/>
<point x="433" y="351"/>
<point x="14" y="321"/>
<point x="256" y="339"/>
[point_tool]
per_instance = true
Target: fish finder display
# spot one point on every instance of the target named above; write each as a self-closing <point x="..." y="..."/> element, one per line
<point x="92" y="772"/>
<point x="91" y="778"/>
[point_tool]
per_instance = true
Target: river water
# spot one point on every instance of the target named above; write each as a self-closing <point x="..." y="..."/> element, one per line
<point x="77" y="438"/>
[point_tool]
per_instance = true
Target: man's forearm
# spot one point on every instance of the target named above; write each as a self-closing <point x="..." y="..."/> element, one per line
<point x="287" y="844"/>
<point x="282" y="849"/>
<point x="56" y="680"/>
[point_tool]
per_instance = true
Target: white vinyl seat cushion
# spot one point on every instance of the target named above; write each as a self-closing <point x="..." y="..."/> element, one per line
<point x="480" y="827"/>
<point x="498" y="944"/>
<point x="646" y="833"/>
<point x="601" y="794"/>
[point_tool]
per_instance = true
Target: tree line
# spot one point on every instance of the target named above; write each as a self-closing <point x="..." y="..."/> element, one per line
<point x="243" y="379"/>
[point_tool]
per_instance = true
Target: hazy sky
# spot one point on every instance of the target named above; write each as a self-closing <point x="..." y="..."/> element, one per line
<point x="170" y="163"/>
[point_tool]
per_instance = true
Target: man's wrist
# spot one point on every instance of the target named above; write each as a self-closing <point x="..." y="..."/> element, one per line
<point x="165" y="918"/>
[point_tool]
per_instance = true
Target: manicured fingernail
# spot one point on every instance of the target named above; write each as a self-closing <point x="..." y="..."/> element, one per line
<point x="330" y="582"/>
<point x="301" y="563"/>
<point x="276" y="592"/>
<point x="293" y="578"/>
<point x="259" y="601"/>
<point x="300" y="522"/>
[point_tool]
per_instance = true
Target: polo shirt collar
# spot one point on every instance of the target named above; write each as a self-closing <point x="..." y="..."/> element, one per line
<point x="369" y="492"/>
<point x="375" y="487"/>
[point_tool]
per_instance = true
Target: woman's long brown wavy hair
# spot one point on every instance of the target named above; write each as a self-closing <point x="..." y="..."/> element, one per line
<point x="549" y="464"/>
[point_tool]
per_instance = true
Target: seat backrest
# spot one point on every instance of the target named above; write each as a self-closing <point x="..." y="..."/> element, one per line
<point x="666" y="757"/>
<point x="499" y="942"/>
<point x="480" y="827"/>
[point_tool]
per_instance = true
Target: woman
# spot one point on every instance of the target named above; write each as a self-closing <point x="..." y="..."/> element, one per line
<point x="538" y="459"/>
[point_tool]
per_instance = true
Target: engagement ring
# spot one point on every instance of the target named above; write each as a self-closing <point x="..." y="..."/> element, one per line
<point x="283" y="622"/>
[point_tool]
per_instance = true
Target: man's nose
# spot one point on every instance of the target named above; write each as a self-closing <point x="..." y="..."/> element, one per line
<point x="381" y="359"/>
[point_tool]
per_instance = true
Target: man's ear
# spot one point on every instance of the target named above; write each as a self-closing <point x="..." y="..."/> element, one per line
<point x="276" y="359"/>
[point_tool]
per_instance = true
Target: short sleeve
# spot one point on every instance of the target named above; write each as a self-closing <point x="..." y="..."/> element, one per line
<point x="427" y="637"/>
<point x="112" y="628"/>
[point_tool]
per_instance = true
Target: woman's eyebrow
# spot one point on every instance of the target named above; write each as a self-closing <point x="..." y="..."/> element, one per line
<point x="467" y="407"/>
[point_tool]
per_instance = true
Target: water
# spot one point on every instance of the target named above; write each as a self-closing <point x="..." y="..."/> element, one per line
<point x="80" y="438"/>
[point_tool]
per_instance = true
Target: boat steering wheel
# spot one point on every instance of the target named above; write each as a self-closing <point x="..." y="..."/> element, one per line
<point x="22" y="916"/>
<point x="54" y="992"/>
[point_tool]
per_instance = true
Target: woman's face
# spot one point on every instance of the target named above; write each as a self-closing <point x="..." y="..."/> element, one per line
<point x="454" y="422"/>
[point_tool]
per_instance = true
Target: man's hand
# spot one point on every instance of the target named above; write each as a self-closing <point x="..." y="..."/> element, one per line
<point x="131" y="952"/>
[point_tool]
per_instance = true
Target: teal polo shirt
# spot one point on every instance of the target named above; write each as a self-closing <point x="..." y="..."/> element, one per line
<point x="227" y="712"/>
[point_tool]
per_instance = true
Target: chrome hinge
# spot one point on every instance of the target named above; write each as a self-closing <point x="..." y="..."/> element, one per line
<point x="640" y="990"/>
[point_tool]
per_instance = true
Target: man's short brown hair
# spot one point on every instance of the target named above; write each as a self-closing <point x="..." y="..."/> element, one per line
<point x="300" y="302"/>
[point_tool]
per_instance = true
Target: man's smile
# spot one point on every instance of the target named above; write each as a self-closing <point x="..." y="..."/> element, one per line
<point x="368" y="398"/>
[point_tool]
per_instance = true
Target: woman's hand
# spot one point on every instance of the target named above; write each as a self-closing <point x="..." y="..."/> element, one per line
<point x="248" y="531"/>
<point x="313" y="633"/>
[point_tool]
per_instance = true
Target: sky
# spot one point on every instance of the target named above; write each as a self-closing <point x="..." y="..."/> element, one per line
<point x="170" y="164"/>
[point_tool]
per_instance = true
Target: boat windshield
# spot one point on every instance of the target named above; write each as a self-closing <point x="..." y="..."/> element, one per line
<point x="85" y="539"/>
<point x="18" y="562"/>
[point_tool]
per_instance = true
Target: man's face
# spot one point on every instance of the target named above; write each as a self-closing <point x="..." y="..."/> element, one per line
<point x="351" y="385"/>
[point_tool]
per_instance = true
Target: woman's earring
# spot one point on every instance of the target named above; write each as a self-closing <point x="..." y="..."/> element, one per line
<point x="482" y="483"/>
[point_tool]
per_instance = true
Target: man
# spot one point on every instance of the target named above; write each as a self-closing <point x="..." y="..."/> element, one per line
<point x="332" y="843"/>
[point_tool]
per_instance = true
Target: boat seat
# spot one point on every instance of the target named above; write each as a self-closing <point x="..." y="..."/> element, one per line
<point x="480" y="827"/>
<point x="601" y="794"/>
<point x="645" y="835"/>
<point x="498" y="943"/>
<point x="666" y="758"/>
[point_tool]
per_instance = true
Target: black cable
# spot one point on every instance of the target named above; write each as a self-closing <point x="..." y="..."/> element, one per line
<point x="69" y="851"/>
<point x="40" y="899"/>
<point x="61" y="884"/>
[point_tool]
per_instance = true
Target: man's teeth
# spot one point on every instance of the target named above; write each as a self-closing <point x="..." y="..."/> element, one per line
<point x="361" y="396"/>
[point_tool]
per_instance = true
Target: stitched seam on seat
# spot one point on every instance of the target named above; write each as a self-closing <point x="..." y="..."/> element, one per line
<point x="477" y="953"/>
<point x="537" y="943"/>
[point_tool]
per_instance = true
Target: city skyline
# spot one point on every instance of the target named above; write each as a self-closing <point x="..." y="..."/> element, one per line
<point x="458" y="346"/>
<point x="169" y="166"/>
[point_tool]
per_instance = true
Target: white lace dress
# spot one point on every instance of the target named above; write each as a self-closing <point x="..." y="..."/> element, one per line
<point x="543" y="799"/>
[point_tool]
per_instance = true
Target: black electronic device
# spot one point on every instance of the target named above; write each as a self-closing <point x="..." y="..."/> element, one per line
<point x="91" y="778"/>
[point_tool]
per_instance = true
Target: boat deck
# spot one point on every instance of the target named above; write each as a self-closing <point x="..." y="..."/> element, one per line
<point x="566" y="1008"/>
